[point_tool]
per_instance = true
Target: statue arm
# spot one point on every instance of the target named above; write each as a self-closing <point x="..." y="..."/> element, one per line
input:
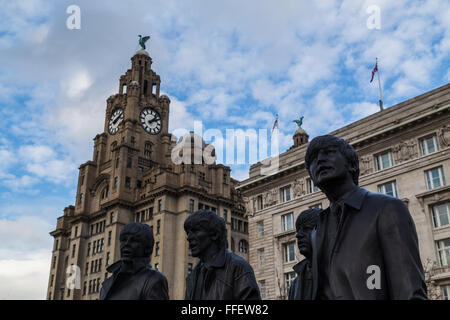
<point x="245" y="285"/>
<point x="403" y="269"/>
<point x="156" y="289"/>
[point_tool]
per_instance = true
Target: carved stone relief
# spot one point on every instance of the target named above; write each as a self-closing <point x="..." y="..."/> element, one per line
<point x="366" y="164"/>
<point x="405" y="150"/>
<point x="444" y="136"/>
<point x="299" y="187"/>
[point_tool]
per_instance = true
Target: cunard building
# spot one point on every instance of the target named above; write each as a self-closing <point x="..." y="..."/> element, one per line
<point x="132" y="177"/>
<point x="404" y="151"/>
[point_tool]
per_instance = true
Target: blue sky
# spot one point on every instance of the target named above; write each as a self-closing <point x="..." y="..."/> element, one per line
<point x="231" y="65"/>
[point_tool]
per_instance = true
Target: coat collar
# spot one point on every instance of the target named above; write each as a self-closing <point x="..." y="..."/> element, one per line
<point x="354" y="198"/>
<point x="138" y="264"/>
<point x="219" y="260"/>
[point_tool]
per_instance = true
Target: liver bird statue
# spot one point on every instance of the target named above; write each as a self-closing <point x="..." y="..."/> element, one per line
<point x="143" y="40"/>
<point x="299" y="122"/>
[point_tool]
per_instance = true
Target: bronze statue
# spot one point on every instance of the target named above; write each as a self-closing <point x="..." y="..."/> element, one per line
<point x="220" y="274"/>
<point x="367" y="246"/>
<point x="302" y="286"/>
<point x="142" y="41"/>
<point x="133" y="277"/>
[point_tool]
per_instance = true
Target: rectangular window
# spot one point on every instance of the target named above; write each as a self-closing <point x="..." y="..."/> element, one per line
<point x="262" y="288"/>
<point x="54" y="262"/>
<point x="311" y="187"/>
<point x="51" y="281"/>
<point x="157" y="266"/>
<point x="443" y="247"/>
<point x="285" y="194"/>
<point x="429" y="145"/>
<point x="316" y="206"/>
<point x="115" y="182"/>
<point x="128" y="162"/>
<point x="260" y="229"/>
<point x="435" y="178"/>
<point x="384" y="160"/>
<point x="224" y="178"/>
<point x="88" y="249"/>
<point x="138" y="184"/>
<point x="260" y="202"/>
<point x="84" y="288"/>
<point x="289" y="252"/>
<point x="158" y="227"/>
<point x="225" y="215"/>
<point x="111" y="217"/>
<point x="107" y="258"/>
<point x="191" y="206"/>
<point x="80" y="198"/>
<point x="261" y="257"/>
<point x="446" y="291"/>
<point x="117" y="162"/>
<point x="73" y="250"/>
<point x="128" y="182"/>
<point x="86" y="269"/>
<point x="159" y="205"/>
<point x="157" y="248"/>
<point x="132" y="141"/>
<point x="82" y="180"/>
<point x="109" y="237"/>
<point x="288" y="279"/>
<point x="287" y="221"/>
<point x="441" y="214"/>
<point x="202" y="176"/>
<point x="389" y="188"/>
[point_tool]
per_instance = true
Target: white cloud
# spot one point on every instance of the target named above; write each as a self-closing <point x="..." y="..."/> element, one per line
<point x="76" y="83"/>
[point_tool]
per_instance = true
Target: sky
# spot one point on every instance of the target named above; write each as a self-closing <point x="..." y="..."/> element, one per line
<point x="229" y="64"/>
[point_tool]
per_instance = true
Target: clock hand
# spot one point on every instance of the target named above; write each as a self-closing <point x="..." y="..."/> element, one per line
<point x="116" y="119"/>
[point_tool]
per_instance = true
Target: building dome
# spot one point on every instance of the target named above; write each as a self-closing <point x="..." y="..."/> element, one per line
<point x="142" y="51"/>
<point x="300" y="137"/>
<point x="300" y="131"/>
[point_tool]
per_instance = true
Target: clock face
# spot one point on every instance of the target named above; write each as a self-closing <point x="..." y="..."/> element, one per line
<point x="151" y="121"/>
<point x="115" y="120"/>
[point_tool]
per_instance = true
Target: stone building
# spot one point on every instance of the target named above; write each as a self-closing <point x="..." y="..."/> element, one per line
<point x="404" y="151"/>
<point x="134" y="177"/>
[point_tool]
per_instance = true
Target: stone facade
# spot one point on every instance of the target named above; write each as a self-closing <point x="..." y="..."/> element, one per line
<point x="404" y="151"/>
<point x="132" y="177"/>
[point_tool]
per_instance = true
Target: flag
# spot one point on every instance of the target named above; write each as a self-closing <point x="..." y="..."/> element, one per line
<point x="375" y="69"/>
<point x="275" y="125"/>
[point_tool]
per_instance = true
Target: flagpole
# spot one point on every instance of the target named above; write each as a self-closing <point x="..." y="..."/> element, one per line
<point x="379" y="85"/>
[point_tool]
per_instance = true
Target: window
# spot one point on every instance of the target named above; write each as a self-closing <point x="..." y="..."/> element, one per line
<point x="138" y="184"/>
<point x="128" y="182"/>
<point x="285" y="194"/>
<point x="389" y="188"/>
<point x="90" y="286"/>
<point x="111" y="217"/>
<point x="157" y="266"/>
<point x="115" y="182"/>
<point x="261" y="257"/>
<point x="191" y="169"/>
<point x="429" y="145"/>
<point x="225" y="215"/>
<point x="140" y="169"/>
<point x="311" y="187"/>
<point x="289" y="251"/>
<point x="202" y="176"/>
<point x="88" y="249"/>
<point x="132" y="141"/>
<point x="243" y="246"/>
<point x="84" y="288"/>
<point x="109" y="237"/>
<point x="316" y="206"/>
<point x="76" y="231"/>
<point x="384" y="160"/>
<point x="107" y="259"/>
<point x="117" y="162"/>
<point x="54" y="262"/>
<point x="443" y="247"/>
<point x="287" y="221"/>
<point x="446" y="291"/>
<point x="260" y="202"/>
<point x="51" y="281"/>
<point x="128" y="162"/>
<point x="157" y="248"/>
<point x="158" y="227"/>
<point x="288" y="279"/>
<point x="260" y="229"/>
<point x="80" y="198"/>
<point x="189" y="268"/>
<point x="86" y="269"/>
<point x="262" y="288"/>
<point x="159" y="205"/>
<point x="441" y="214"/>
<point x="147" y="150"/>
<point x="82" y="180"/>
<point x="73" y="250"/>
<point x="435" y="177"/>
<point x="224" y="178"/>
<point x="105" y="192"/>
<point x="56" y="244"/>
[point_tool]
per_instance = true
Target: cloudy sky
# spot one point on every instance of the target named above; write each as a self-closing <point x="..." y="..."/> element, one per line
<point x="230" y="64"/>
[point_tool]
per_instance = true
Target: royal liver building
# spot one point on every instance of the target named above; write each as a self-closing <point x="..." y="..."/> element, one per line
<point x="132" y="178"/>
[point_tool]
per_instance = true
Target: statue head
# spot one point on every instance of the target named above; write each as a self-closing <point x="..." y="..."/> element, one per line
<point x="305" y="223"/>
<point x="329" y="158"/>
<point x="205" y="230"/>
<point x="136" y="241"/>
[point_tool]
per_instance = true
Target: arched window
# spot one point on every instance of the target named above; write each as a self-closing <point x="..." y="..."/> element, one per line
<point x="147" y="149"/>
<point x="105" y="192"/>
<point x="243" y="246"/>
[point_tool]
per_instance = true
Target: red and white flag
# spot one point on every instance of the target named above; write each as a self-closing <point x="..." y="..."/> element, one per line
<point x="275" y="125"/>
<point x="375" y="69"/>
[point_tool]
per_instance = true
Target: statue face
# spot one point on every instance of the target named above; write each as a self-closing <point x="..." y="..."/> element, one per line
<point x="329" y="165"/>
<point x="303" y="236"/>
<point x="131" y="246"/>
<point x="199" y="240"/>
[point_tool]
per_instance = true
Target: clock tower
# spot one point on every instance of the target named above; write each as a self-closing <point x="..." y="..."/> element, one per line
<point x="132" y="178"/>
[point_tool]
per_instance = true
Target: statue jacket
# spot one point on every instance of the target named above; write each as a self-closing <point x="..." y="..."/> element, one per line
<point x="375" y="254"/>
<point x="228" y="277"/>
<point x="301" y="287"/>
<point x="141" y="283"/>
